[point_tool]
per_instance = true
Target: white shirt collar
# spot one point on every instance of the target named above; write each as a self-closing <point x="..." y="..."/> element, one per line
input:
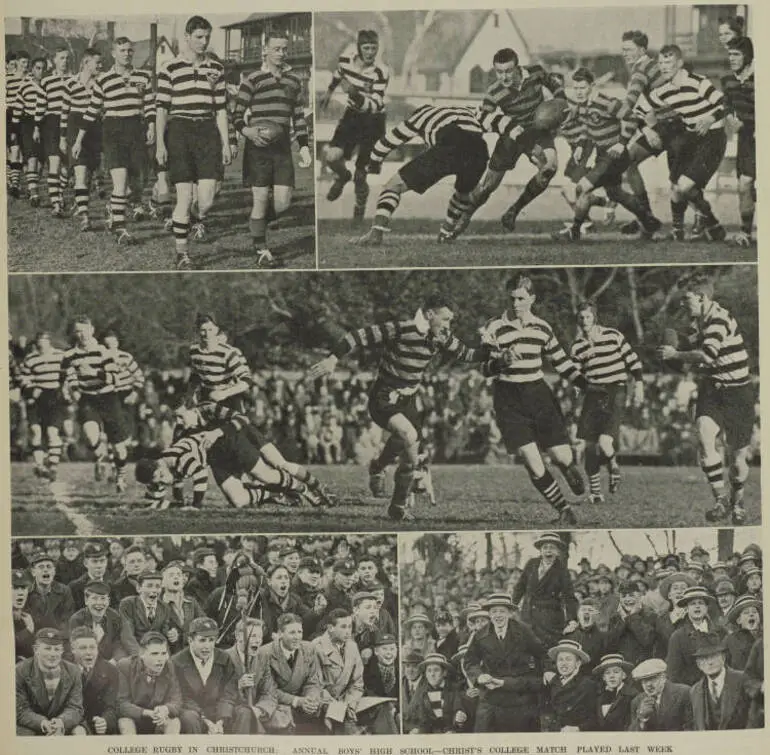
<point x="745" y="73"/>
<point x="204" y="669"/>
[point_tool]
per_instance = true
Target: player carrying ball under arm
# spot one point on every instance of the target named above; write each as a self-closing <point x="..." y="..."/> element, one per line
<point x="714" y="345"/>
<point x="606" y="360"/>
<point x="527" y="412"/>
<point x="191" y="100"/>
<point x="365" y="81"/>
<point x="408" y="347"/>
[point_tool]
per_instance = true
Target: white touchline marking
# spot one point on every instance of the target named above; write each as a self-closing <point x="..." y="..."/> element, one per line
<point x="62" y="497"/>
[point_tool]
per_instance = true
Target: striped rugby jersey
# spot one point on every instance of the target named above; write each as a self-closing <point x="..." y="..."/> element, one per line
<point x="269" y="97"/>
<point x="605" y="357"/>
<point x="428" y="120"/>
<point x="218" y="367"/>
<point x="521" y="102"/>
<point x="186" y="459"/>
<point x="12" y="86"/>
<point x="189" y="90"/>
<point x="77" y="97"/>
<point x="645" y="76"/>
<point x="690" y="95"/>
<point x="573" y="131"/>
<point x="718" y="335"/>
<point x="739" y="95"/>
<point x="599" y="118"/>
<point x="116" y="95"/>
<point x="42" y="371"/>
<point x="371" y="80"/>
<point x="94" y="358"/>
<point x="530" y="341"/>
<point x="27" y="98"/>
<point x="54" y="87"/>
<point x="408" y="349"/>
<point x="128" y="377"/>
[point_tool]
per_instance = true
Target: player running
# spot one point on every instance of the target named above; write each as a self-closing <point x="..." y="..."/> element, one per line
<point x="29" y="94"/>
<point x="40" y="381"/>
<point x="16" y="71"/>
<point x="527" y="412"/>
<point x="272" y="94"/>
<point x="605" y="360"/>
<point x="365" y="80"/>
<point x="77" y="97"/>
<point x="129" y="382"/>
<point x="408" y="348"/>
<point x="89" y="374"/>
<point x="454" y="137"/>
<point x="715" y="346"/>
<point x="123" y="96"/>
<point x="738" y="88"/>
<point x="191" y="99"/>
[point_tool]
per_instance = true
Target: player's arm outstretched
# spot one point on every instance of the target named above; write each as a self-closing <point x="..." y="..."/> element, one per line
<point x="363" y="338"/>
<point x="397" y="135"/>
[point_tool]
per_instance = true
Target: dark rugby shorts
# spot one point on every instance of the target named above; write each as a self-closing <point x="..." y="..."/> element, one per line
<point x="386" y="402"/>
<point x="106" y="411"/>
<point x="194" y="150"/>
<point x="602" y="412"/>
<point x="125" y="144"/>
<point x="731" y="407"/>
<point x="47" y="410"/>
<point x="508" y="151"/>
<point x="358" y="131"/>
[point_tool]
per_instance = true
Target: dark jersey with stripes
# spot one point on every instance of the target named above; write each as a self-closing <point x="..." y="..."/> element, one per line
<point x="12" y="86"/>
<point x="529" y="341"/>
<point x="691" y="96"/>
<point x="599" y="118"/>
<point x="718" y="335"/>
<point x="54" y="87"/>
<point x="739" y="96"/>
<point x="573" y="131"/>
<point x="275" y="98"/>
<point x="91" y="369"/>
<point x="645" y="76"/>
<point x="128" y="377"/>
<point x="408" y="349"/>
<point x="43" y="371"/>
<point x="605" y="357"/>
<point x="520" y="101"/>
<point x="126" y="95"/>
<point x="27" y="98"/>
<point x="427" y="122"/>
<point x="191" y="90"/>
<point x="186" y="459"/>
<point x="371" y="80"/>
<point x="77" y="97"/>
<point x="218" y="367"/>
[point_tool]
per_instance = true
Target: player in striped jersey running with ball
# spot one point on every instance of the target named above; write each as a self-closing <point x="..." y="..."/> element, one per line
<point x="27" y="97"/>
<point x="364" y="79"/>
<point x="605" y="360"/>
<point x="40" y="381"/>
<point x="714" y="345"/>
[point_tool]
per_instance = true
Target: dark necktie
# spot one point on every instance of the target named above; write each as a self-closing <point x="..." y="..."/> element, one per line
<point x="292" y="660"/>
<point x="714" y="691"/>
<point x="150" y="615"/>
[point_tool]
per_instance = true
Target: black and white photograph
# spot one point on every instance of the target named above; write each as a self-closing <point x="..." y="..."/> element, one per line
<point x="423" y="400"/>
<point x="241" y="634"/>
<point x="572" y="632"/>
<point x="451" y="138"/>
<point x="159" y="142"/>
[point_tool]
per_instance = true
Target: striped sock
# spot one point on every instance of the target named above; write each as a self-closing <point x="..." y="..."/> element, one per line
<point x="33" y="179"/>
<point x="677" y="214"/>
<point x="387" y="204"/>
<point x="54" y="454"/>
<point x="15" y="175"/>
<point x="458" y="205"/>
<point x="118" y="209"/>
<point x="550" y="490"/>
<point x="257" y="496"/>
<point x="716" y="478"/>
<point x="38" y="454"/>
<point x="257" y="229"/>
<point x="54" y="189"/>
<point x="286" y="483"/>
<point x="181" y="231"/>
<point x="81" y="202"/>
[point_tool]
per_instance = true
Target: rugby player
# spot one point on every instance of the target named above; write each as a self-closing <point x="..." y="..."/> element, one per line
<point x="29" y="94"/>
<point x="129" y="382"/>
<point x="16" y="70"/>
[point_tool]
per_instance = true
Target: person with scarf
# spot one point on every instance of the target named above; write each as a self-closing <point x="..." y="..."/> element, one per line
<point x="613" y="703"/>
<point x="437" y="705"/>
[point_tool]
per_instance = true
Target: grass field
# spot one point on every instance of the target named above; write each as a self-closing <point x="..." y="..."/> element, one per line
<point x="469" y="497"/>
<point x="39" y="243"/>
<point x="412" y="243"/>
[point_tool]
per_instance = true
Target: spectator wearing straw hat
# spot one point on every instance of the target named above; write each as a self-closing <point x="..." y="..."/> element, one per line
<point x="719" y="700"/>
<point x="437" y="706"/>
<point x="746" y="616"/>
<point x="418" y="629"/>
<point x="755" y="685"/>
<point x="572" y="695"/>
<point x="545" y="591"/>
<point x="103" y="621"/>
<point x="671" y="589"/>
<point x="504" y="660"/>
<point x="473" y="618"/>
<point x="615" y="693"/>
<point x="632" y="628"/>
<point x="680" y="658"/>
<point x="662" y="705"/>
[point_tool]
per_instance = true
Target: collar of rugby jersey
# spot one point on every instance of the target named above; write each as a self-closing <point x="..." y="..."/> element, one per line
<point x="517" y="322"/>
<point x="421" y="322"/>
<point x="679" y="77"/>
<point x="127" y="74"/>
<point x="285" y="68"/>
<point x="641" y="62"/>
<point x="745" y="74"/>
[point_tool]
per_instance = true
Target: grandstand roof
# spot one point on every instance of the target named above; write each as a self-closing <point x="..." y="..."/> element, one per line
<point x="254" y="17"/>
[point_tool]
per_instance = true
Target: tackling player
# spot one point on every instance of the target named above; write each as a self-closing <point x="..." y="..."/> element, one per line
<point x="365" y="81"/>
<point x="27" y="98"/>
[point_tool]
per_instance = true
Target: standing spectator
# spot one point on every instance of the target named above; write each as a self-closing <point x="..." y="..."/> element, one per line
<point x="95" y="563"/>
<point x="412" y="669"/>
<point x="23" y="623"/>
<point x="69" y="565"/>
<point x="143" y="613"/>
<point x="419" y="629"/>
<point x="134" y="563"/>
<point x="436" y="707"/>
<point x="105" y="623"/>
<point x="588" y="635"/>
<point x="746" y="616"/>
<point x="204" y="579"/>
<point x="755" y="685"/>
<point x="183" y="609"/>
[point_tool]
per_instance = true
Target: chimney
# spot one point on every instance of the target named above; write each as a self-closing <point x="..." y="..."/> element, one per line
<point x="110" y="31"/>
<point x="39" y="27"/>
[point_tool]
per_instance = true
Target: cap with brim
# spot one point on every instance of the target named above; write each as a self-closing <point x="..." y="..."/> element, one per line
<point x="694" y="593"/>
<point x="385" y="639"/>
<point x="665" y="586"/>
<point x="718" y="565"/>
<point x="649" y="668"/>
<point x="203" y="626"/>
<point x="50" y="636"/>
<point x="361" y="596"/>
<point x="21" y="579"/>
<point x="97" y="587"/>
<point x="418" y="618"/>
<point x="497" y="599"/>
<point x="725" y="587"/>
<point x="202" y="553"/>
<point x="470" y="608"/>
<point x="671" y="557"/>
<point x="436" y="659"/>
<point x="613" y="660"/>
<point x="750" y="556"/>
<point x="694" y="566"/>
<point x="344" y="567"/>
<point x="310" y="564"/>
<point x="709" y="646"/>
<point x="608" y="577"/>
<point x="175" y="565"/>
<point x="94" y="550"/>
<point x="478" y="613"/>
<point x="549" y="537"/>
<point x="752" y="570"/>
<point x="147" y="575"/>
<point x="569" y="646"/>
<point x="699" y="550"/>
<point x="745" y="601"/>
<point x="413" y="658"/>
<point x="39" y="557"/>
<point x="661" y="574"/>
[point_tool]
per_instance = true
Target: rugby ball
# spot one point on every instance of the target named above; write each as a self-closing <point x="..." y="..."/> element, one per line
<point x="550" y="114"/>
<point x="269" y="131"/>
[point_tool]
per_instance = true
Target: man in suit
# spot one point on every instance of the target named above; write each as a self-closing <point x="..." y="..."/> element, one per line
<point x="572" y="695"/>
<point x="368" y="573"/>
<point x="613" y="704"/>
<point x="149" y="699"/>
<point x="183" y="608"/>
<point x="294" y="666"/>
<point x="342" y="671"/>
<point x="447" y="641"/>
<point x="719" y="699"/>
<point x="23" y="623"/>
<point x="144" y="612"/>
<point x="49" y="602"/>
<point x="134" y="562"/>
<point x="755" y="685"/>
<point x="102" y="620"/>
<point x="95" y="562"/>
<point x="208" y="681"/>
<point x="662" y="705"/>
<point x="369" y="622"/>
<point x="504" y="660"/>
<point x="306" y="584"/>
<point x="49" y="691"/>
<point x="100" y="684"/>
<point x="339" y="594"/>
<point x="205" y="576"/>
<point x="412" y="666"/>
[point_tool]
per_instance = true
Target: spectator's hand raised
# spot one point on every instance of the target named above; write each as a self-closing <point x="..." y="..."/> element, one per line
<point x="571" y="627"/>
<point x="548" y="677"/>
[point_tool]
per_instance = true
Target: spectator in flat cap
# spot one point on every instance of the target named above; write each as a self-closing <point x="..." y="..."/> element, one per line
<point x="755" y="685"/>
<point x="143" y="612"/>
<point x="23" y="623"/>
<point x="49" y="602"/>
<point x="591" y="638"/>
<point x="572" y="695"/>
<point x="100" y="684"/>
<point x="204" y="580"/>
<point x="103" y="621"/>
<point x="49" y="691"/>
<point x="672" y="588"/>
<point x="339" y="593"/>
<point x="662" y="705"/>
<point x="680" y="658"/>
<point x="208" y="681"/>
<point x="95" y="563"/>
<point x="183" y="609"/>
<point x="437" y="706"/>
<point x="369" y="621"/>
<point x="616" y="693"/>
<point x="290" y="558"/>
<point x="149" y="698"/>
<point x="306" y="585"/>
<point x="134" y="562"/>
<point x="69" y="565"/>
<point x="746" y="616"/>
<point x="381" y="671"/>
<point x="546" y="592"/>
<point x="447" y="641"/>
<point x="632" y="628"/>
<point x="505" y="661"/>
<point x="294" y="665"/>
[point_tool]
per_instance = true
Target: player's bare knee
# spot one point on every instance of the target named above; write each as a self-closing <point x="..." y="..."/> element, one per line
<point x="333" y="154"/>
<point x="52" y="435"/>
<point x="36" y="435"/>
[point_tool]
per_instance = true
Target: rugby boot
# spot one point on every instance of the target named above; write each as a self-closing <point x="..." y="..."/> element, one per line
<point x="595" y="499"/>
<point x="650" y="227"/>
<point x="742" y="239"/>
<point x="720" y="511"/>
<point x="631" y="228"/>
<point x="574" y="479"/>
<point x="614" y="469"/>
<point x="335" y="190"/>
<point x="377" y="483"/>
<point x="715" y="232"/>
<point x="373" y="237"/>
<point x="566" y="517"/>
<point x="198" y="231"/>
<point x="509" y="219"/>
